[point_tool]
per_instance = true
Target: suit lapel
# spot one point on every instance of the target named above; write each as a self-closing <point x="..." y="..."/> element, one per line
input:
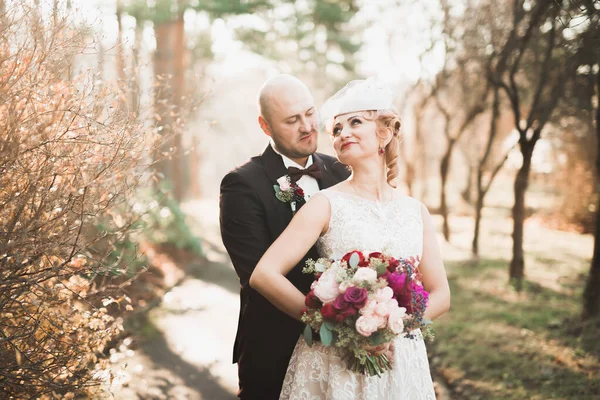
<point x="273" y="165"/>
<point x="275" y="169"/>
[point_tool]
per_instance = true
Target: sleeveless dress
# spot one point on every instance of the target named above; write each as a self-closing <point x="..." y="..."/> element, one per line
<point x="318" y="372"/>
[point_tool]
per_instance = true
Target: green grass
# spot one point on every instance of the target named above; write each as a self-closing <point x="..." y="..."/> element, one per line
<point x="496" y="343"/>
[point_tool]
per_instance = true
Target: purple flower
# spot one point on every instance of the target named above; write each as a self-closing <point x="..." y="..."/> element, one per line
<point x="396" y="282"/>
<point x="356" y="296"/>
<point x="414" y="298"/>
<point x="340" y="303"/>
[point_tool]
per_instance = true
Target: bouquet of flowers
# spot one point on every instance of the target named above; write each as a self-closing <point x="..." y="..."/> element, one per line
<point x="362" y="301"/>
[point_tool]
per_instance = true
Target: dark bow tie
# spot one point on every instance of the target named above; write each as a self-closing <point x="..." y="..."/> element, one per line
<point x="296" y="173"/>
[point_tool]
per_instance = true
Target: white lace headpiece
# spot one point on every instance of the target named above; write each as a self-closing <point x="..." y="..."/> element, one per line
<point x="358" y="95"/>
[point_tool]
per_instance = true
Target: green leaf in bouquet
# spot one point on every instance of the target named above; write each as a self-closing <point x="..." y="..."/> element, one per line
<point x="326" y="335"/>
<point x="308" y="335"/>
<point x="353" y="261"/>
<point x="277" y="189"/>
<point x="427" y="321"/>
<point x="377" y="338"/>
<point x="330" y="325"/>
<point x="380" y="268"/>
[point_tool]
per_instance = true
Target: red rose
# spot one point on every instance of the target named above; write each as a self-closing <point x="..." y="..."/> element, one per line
<point x="362" y="262"/>
<point x="348" y="312"/>
<point x="312" y="301"/>
<point x="377" y="255"/>
<point x="328" y="311"/>
<point x="299" y="191"/>
<point x="392" y="264"/>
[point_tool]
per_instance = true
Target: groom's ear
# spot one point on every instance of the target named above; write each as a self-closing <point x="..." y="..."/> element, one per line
<point x="264" y="125"/>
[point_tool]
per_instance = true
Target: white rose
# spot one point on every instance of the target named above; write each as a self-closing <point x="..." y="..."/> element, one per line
<point x="395" y="320"/>
<point x="365" y="275"/>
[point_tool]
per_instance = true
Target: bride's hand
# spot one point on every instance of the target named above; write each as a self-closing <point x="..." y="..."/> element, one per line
<point x="386" y="348"/>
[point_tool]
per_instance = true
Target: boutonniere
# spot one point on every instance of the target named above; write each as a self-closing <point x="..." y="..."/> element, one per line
<point x="288" y="192"/>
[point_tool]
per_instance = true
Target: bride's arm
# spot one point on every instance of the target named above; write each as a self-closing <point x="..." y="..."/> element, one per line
<point x="432" y="269"/>
<point x="286" y="252"/>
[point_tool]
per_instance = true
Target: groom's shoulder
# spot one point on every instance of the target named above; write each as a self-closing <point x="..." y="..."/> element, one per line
<point x="248" y="170"/>
<point x="326" y="158"/>
<point x="335" y="164"/>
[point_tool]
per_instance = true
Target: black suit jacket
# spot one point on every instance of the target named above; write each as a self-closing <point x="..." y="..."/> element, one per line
<point x="251" y="219"/>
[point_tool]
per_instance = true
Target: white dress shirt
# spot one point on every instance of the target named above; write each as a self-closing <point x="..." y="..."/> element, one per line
<point x="309" y="185"/>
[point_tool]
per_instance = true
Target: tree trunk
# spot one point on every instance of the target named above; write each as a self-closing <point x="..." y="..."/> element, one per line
<point x="591" y="294"/>
<point x="121" y="57"/>
<point x="163" y="97"/>
<point x="179" y="180"/>
<point x="481" y="191"/>
<point x="478" y="212"/>
<point x="467" y="193"/>
<point x="410" y="177"/>
<point x="517" y="265"/>
<point x="444" y="169"/>
<point x="420" y="153"/>
<point x="135" y="70"/>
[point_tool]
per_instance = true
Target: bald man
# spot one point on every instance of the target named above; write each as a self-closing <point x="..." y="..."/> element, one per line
<point x="252" y="217"/>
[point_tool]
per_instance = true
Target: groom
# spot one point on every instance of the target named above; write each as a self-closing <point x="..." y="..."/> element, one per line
<point x="252" y="217"/>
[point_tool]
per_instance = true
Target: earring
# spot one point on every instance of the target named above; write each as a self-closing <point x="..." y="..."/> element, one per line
<point x="381" y="151"/>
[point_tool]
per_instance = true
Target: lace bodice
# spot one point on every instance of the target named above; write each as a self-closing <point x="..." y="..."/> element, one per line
<point x="319" y="372"/>
<point x="356" y="223"/>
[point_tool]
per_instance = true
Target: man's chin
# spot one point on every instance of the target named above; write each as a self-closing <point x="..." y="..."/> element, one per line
<point x="308" y="145"/>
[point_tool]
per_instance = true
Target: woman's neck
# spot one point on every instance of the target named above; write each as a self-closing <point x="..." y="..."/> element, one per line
<point x="371" y="183"/>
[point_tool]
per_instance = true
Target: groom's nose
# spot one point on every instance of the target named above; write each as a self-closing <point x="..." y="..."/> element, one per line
<point x="306" y="125"/>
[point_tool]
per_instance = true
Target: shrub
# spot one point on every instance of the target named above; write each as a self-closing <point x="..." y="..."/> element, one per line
<point x="70" y="160"/>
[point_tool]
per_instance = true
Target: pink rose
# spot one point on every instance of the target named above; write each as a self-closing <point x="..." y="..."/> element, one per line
<point x="344" y="286"/>
<point x="384" y="309"/>
<point x="367" y="325"/>
<point x="395" y="320"/>
<point x="369" y="308"/>
<point x="284" y="183"/>
<point x="384" y="294"/>
<point x="327" y="289"/>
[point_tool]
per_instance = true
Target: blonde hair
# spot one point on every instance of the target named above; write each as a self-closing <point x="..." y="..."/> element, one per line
<point x="388" y="122"/>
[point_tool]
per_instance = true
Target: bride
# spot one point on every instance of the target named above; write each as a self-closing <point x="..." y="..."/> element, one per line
<point x="367" y="213"/>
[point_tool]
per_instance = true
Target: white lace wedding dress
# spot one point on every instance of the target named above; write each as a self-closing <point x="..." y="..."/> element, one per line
<point x="318" y="372"/>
